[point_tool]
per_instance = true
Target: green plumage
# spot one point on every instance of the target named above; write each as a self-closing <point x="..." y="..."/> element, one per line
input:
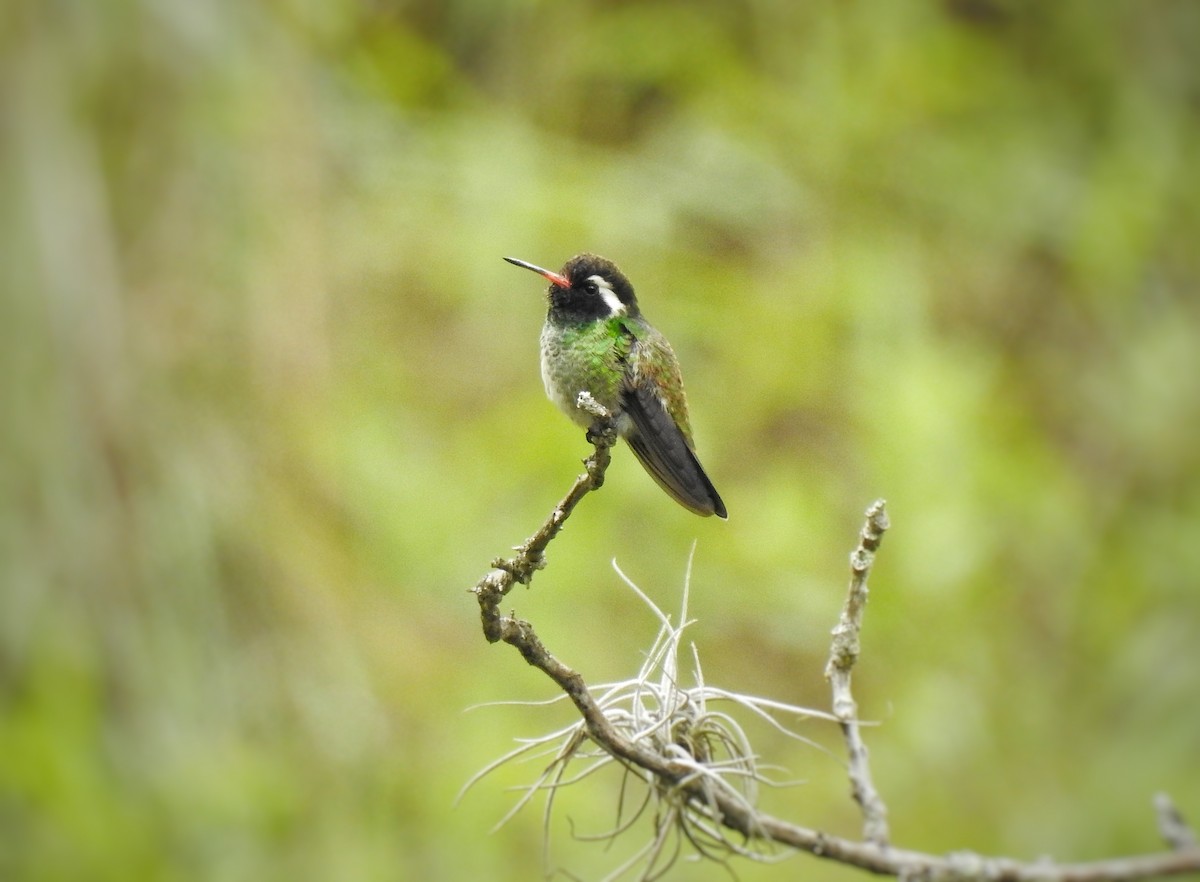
<point x="606" y="357"/>
<point x="596" y="340"/>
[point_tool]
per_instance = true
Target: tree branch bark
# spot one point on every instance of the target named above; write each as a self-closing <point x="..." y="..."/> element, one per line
<point x="874" y="854"/>
<point x="843" y="653"/>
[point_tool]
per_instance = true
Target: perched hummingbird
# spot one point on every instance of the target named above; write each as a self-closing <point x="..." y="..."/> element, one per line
<point x="596" y="340"/>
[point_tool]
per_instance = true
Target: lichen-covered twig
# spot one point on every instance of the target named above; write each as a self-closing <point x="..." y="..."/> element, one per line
<point x="843" y="653"/>
<point x="1176" y="832"/>
<point x="874" y="854"/>
<point x="530" y="555"/>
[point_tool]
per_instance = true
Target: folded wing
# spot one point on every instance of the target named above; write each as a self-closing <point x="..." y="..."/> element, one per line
<point x="664" y="452"/>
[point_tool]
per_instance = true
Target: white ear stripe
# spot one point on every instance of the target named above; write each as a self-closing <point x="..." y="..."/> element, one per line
<point x="611" y="300"/>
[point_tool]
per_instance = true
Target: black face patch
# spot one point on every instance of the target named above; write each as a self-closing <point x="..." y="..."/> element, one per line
<point x="582" y="267"/>
<point x="576" y="305"/>
<point x="598" y="291"/>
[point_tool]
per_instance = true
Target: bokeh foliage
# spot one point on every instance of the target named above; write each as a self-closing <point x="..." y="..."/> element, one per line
<point x="271" y="403"/>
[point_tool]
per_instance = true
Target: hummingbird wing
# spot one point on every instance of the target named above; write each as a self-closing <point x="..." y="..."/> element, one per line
<point x="661" y="447"/>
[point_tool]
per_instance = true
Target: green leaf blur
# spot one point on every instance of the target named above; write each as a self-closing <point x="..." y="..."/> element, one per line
<point x="271" y="404"/>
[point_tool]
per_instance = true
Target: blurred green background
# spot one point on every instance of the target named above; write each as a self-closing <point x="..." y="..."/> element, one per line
<point x="271" y="404"/>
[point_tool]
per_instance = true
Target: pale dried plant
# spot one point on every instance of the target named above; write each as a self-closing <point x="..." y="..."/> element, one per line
<point x="696" y="728"/>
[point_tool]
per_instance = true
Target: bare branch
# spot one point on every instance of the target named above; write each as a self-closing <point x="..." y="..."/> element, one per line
<point x="530" y="555"/>
<point x="688" y="775"/>
<point x="843" y="653"/>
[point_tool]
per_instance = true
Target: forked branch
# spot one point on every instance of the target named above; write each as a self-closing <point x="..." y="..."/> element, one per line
<point x="722" y="807"/>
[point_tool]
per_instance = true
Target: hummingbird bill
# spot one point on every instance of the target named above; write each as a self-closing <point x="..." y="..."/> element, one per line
<point x="596" y="340"/>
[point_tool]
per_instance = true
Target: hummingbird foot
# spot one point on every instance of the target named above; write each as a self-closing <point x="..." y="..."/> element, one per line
<point x="602" y="433"/>
<point x="603" y="430"/>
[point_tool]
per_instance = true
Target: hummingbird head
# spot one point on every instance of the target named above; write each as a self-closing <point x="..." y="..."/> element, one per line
<point x="588" y="288"/>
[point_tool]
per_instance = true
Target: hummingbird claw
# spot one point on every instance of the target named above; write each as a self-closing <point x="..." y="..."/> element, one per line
<point x="602" y="432"/>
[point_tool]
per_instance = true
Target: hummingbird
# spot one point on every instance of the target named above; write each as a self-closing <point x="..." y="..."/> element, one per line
<point x="596" y="340"/>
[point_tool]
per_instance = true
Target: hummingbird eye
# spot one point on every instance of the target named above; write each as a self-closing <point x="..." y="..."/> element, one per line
<point x="599" y="286"/>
